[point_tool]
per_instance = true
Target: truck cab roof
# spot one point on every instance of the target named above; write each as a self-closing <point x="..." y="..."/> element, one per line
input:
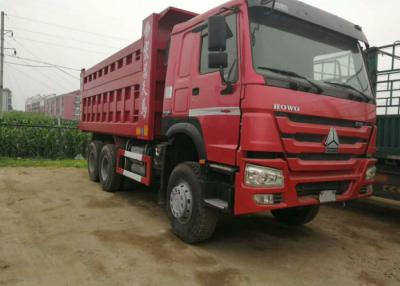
<point x="292" y="8"/>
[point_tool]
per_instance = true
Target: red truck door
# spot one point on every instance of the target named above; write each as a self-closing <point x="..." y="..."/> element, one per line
<point x="182" y="84"/>
<point x="219" y="115"/>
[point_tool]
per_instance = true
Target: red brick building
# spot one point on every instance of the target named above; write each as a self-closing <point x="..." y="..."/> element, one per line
<point x="66" y="106"/>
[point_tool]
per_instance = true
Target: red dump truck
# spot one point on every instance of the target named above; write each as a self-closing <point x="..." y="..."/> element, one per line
<point x="253" y="106"/>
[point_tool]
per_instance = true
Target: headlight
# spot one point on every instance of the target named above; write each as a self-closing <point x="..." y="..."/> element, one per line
<point x="370" y="173"/>
<point x="257" y="176"/>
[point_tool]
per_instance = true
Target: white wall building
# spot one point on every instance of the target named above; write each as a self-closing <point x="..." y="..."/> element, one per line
<point x="7" y="100"/>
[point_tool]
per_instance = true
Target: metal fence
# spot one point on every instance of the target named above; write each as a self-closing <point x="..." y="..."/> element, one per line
<point x="388" y="80"/>
<point x="43" y="140"/>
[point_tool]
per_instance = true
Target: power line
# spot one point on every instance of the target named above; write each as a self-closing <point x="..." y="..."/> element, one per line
<point x="67" y="28"/>
<point x="37" y="66"/>
<point x="60" y="68"/>
<point x="43" y="74"/>
<point x="67" y="73"/>
<point x="41" y="62"/>
<point x="62" y="46"/>
<point x="26" y="65"/>
<point x="35" y="80"/>
<point x="63" y="38"/>
<point x="10" y="73"/>
<point x="11" y="76"/>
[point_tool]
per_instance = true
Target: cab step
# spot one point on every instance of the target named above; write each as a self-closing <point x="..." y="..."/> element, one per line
<point x="218" y="204"/>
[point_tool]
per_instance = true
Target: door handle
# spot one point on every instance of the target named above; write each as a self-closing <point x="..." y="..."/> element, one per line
<point x="196" y="91"/>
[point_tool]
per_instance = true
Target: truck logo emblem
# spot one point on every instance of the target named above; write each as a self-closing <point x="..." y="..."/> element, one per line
<point x="332" y="141"/>
<point x="285" y="107"/>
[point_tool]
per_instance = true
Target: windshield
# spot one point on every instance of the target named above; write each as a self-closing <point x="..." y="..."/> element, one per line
<point x="281" y="43"/>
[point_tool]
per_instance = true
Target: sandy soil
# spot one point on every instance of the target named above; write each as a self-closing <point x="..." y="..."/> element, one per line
<point x="58" y="228"/>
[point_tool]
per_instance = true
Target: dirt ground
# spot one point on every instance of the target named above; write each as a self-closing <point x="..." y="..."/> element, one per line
<point x="58" y="228"/>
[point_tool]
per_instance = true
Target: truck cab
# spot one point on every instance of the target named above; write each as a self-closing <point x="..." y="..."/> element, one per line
<point x="290" y="112"/>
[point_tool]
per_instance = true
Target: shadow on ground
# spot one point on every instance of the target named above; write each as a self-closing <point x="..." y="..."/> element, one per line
<point x="260" y="231"/>
<point x="374" y="208"/>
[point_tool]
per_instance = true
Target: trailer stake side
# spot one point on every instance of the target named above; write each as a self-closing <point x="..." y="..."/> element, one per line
<point x="386" y="69"/>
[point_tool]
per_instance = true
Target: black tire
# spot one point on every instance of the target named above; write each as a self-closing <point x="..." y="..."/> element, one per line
<point x="201" y="224"/>
<point x="94" y="149"/>
<point x="109" y="179"/>
<point x="296" y="216"/>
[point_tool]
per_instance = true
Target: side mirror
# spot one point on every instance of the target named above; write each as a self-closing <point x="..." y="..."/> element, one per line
<point x="217" y="34"/>
<point x="218" y="60"/>
<point x="372" y="65"/>
<point x="217" y="55"/>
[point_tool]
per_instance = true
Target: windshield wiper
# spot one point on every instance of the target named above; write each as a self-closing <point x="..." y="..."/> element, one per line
<point x="293" y="74"/>
<point x="347" y="86"/>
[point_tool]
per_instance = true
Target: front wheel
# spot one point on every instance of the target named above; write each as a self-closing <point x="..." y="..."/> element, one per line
<point x="190" y="219"/>
<point x="296" y="216"/>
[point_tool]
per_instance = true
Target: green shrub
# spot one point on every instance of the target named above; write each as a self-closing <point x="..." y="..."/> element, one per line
<point x="34" y="135"/>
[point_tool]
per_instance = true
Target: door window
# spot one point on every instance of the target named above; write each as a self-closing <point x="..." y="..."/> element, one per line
<point x="186" y="55"/>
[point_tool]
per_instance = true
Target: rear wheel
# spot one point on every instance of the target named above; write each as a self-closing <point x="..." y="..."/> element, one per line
<point x="190" y="219"/>
<point x="296" y="216"/>
<point x="94" y="149"/>
<point x="109" y="179"/>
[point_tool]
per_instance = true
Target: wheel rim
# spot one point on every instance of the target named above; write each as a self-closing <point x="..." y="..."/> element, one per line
<point x="104" y="168"/>
<point x="181" y="202"/>
<point x="92" y="160"/>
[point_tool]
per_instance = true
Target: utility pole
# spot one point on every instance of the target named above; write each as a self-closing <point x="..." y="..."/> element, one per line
<point x="1" y="63"/>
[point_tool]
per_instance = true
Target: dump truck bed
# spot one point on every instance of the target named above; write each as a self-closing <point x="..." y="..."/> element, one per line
<point x="123" y="94"/>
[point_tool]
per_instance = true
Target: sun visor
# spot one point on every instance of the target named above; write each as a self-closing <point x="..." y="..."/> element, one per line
<point x="314" y="15"/>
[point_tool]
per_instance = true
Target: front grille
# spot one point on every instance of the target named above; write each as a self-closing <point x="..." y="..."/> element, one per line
<point x="302" y="134"/>
<point x="313" y="189"/>
<point x="322" y="120"/>
<point x="320" y="138"/>
<point x="322" y="157"/>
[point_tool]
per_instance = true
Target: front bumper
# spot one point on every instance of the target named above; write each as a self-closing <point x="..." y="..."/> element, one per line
<point x="297" y="173"/>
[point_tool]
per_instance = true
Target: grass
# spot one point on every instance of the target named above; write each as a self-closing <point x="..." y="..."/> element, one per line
<point x="64" y="163"/>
